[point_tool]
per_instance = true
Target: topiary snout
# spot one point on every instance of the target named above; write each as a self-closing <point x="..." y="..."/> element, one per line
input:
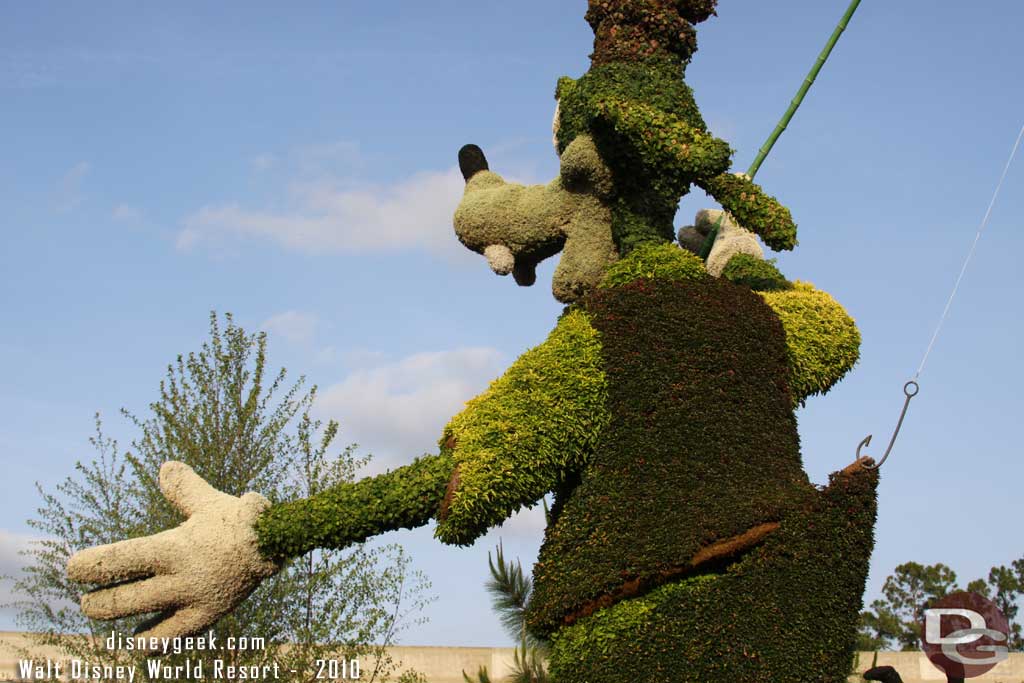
<point x="517" y="226"/>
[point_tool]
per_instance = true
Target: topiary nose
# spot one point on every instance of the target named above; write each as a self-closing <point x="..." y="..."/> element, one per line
<point x="471" y="161"/>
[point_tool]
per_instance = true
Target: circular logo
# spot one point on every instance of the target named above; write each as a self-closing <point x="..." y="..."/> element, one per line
<point x="964" y="634"/>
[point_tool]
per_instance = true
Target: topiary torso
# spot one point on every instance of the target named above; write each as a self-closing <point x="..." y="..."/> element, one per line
<point x="702" y="445"/>
<point x="647" y="192"/>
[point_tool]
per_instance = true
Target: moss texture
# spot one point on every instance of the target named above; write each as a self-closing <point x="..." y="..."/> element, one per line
<point x="517" y="440"/>
<point x="647" y="128"/>
<point x="695" y="369"/>
<point x="758" y="274"/>
<point x="756" y="211"/>
<point x="405" y="498"/>
<point x="822" y="340"/>
<point x="533" y="222"/>
<point x="629" y="30"/>
<point x="655" y="261"/>
<point x="785" y="611"/>
<point x="626" y="94"/>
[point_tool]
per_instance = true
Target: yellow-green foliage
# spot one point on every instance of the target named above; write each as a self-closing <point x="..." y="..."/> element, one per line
<point x="645" y="198"/>
<point x="514" y="442"/>
<point x="756" y="211"/>
<point x="673" y="151"/>
<point x="653" y="260"/>
<point x="597" y="634"/>
<point x="756" y="273"/>
<point x="822" y="339"/>
<point x="346" y="514"/>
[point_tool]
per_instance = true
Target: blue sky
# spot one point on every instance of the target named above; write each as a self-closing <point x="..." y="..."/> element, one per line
<point x="297" y="168"/>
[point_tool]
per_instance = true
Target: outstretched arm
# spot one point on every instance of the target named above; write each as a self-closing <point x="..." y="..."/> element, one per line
<point x="517" y="440"/>
<point x="665" y="142"/>
<point x="404" y="498"/>
<point x="507" y="448"/>
<point x="756" y="211"/>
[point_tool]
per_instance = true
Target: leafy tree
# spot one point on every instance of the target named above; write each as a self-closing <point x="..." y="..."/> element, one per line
<point x="1005" y="586"/>
<point x="239" y="429"/>
<point x="894" y="621"/>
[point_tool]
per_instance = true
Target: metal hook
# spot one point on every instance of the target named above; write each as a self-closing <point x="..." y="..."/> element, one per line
<point x="867" y="439"/>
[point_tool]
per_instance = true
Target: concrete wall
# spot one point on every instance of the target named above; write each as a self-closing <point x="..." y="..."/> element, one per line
<point x="914" y="667"/>
<point x="446" y="664"/>
<point x="438" y="664"/>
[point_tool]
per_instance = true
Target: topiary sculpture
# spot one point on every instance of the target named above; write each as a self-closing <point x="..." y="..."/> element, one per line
<point x="686" y="542"/>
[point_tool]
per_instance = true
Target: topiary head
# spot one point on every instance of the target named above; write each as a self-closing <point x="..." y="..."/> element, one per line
<point x="634" y="30"/>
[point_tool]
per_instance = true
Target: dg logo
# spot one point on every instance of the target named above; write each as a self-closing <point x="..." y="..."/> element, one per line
<point x="964" y="634"/>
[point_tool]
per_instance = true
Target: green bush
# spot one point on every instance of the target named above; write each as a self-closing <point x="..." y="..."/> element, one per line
<point x="756" y="273"/>
<point x="616" y="103"/>
<point x="655" y="260"/>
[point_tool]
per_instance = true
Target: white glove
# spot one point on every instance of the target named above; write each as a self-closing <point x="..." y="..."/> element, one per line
<point x="732" y="239"/>
<point x="193" y="574"/>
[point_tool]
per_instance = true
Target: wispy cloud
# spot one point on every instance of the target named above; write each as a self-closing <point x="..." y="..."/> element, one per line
<point x="330" y="215"/>
<point x="526" y="522"/>
<point x="263" y="162"/>
<point x="295" y="327"/>
<point x="11" y="564"/>
<point x="11" y="544"/>
<point x="126" y="213"/>
<point x="397" y="410"/>
<point x="327" y="158"/>
<point x="69" y="190"/>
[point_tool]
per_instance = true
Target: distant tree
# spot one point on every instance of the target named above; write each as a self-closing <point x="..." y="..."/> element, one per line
<point x="893" y="622"/>
<point x="1005" y="586"/>
<point x="217" y="412"/>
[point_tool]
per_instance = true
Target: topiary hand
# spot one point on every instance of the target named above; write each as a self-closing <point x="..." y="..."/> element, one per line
<point x="191" y="575"/>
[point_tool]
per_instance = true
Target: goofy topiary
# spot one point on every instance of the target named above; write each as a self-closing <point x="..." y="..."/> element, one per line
<point x="685" y="542"/>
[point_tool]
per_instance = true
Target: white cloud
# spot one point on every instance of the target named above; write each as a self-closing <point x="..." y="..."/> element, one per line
<point x="11" y="545"/>
<point x="327" y="158"/>
<point x="328" y="215"/>
<point x="526" y="522"/>
<point x="397" y="410"/>
<point x="11" y="564"/>
<point x="69" y="190"/>
<point x="263" y="162"/>
<point x="295" y="327"/>
<point x="124" y="212"/>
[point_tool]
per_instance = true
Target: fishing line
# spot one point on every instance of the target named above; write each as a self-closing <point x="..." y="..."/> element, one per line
<point x="911" y="388"/>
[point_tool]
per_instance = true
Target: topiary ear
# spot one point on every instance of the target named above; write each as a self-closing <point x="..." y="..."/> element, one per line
<point x="696" y="11"/>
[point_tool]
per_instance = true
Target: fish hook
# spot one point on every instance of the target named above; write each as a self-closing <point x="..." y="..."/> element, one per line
<point x="910" y="390"/>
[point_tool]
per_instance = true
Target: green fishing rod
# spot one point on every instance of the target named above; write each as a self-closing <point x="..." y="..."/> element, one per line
<point x="788" y="116"/>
